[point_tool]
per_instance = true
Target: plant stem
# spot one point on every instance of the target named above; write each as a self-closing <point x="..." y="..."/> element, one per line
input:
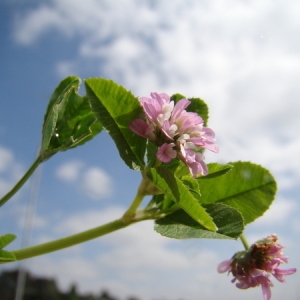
<point x="141" y="193"/>
<point x="71" y="240"/>
<point x="244" y="241"/>
<point x="21" y="181"/>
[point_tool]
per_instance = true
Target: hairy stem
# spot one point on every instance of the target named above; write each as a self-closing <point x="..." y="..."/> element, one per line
<point x="21" y="181"/>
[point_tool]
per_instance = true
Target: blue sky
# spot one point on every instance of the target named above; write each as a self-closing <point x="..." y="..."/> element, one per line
<point x="242" y="57"/>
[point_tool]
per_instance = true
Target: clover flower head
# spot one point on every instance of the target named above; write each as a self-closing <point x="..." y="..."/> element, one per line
<point x="253" y="267"/>
<point x="177" y="133"/>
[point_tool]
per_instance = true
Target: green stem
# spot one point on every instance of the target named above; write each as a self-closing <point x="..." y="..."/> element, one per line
<point x="141" y="193"/>
<point x="21" y="181"/>
<point x="244" y="241"/>
<point x="71" y="240"/>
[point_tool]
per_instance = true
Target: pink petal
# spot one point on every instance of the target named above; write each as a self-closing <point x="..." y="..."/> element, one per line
<point x="279" y="274"/>
<point x="141" y="128"/>
<point x="166" y="152"/>
<point x="266" y="291"/>
<point x="224" y="266"/>
<point x="152" y="110"/>
<point x="194" y="161"/>
<point x="178" y="108"/>
<point x="161" y="99"/>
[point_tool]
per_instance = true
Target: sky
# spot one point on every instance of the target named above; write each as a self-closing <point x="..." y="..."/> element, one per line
<point x="241" y="57"/>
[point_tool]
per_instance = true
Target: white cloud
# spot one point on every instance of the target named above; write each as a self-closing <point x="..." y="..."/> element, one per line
<point x="65" y="68"/>
<point x="94" y="181"/>
<point x="279" y="213"/>
<point x="97" y="183"/>
<point x="89" y="219"/>
<point x="69" y="171"/>
<point x="45" y="16"/>
<point x="235" y="56"/>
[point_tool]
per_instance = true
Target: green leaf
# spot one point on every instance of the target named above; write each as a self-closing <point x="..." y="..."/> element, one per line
<point x="6" y="239"/>
<point x="115" y="108"/>
<point x="177" y="97"/>
<point x="216" y="170"/>
<point x="79" y="124"/>
<point x="181" y="195"/>
<point x="151" y="154"/>
<point x="56" y="108"/>
<point x="69" y="120"/>
<point x="6" y="256"/>
<point x="191" y="183"/>
<point x="179" y="225"/>
<point x="228" y="219"/>
<point x="197" y="105"/>
<point x="248" y="187"/>
<point x="200" y="107"/>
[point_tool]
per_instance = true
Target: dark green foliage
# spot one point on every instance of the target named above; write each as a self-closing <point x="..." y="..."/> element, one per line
<point x="69" y="120"/>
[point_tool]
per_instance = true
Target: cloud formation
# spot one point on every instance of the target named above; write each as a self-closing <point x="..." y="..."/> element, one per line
<point x="240" y="57"/>
<point x="69" y="171"/>
<point x="93" y="181"/>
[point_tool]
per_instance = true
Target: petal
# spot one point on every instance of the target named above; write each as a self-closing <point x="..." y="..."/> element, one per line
<point x="166" y="152"/>
<point x="203" y="143"/>
<point x="266" y="291"/>
<point x="194" y="161"/>
<point x="178" y="108"/>
<point x="161" y="99"/>
<point x="224" y="266"/>
<point x="279" y="274"/>
<point x="168" y="130"/>
<point x="209" y="132"/>
<point x="152" y="111"/>
<point x="141" y="128"/>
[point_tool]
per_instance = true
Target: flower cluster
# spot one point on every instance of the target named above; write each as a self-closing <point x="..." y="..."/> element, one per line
<point x="177" y="133"/>
<point x="253" y="267"/>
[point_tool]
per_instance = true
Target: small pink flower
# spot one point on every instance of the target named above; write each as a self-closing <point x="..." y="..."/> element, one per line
<point x="177" y="133"/>
<point x="253" y="267"/>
